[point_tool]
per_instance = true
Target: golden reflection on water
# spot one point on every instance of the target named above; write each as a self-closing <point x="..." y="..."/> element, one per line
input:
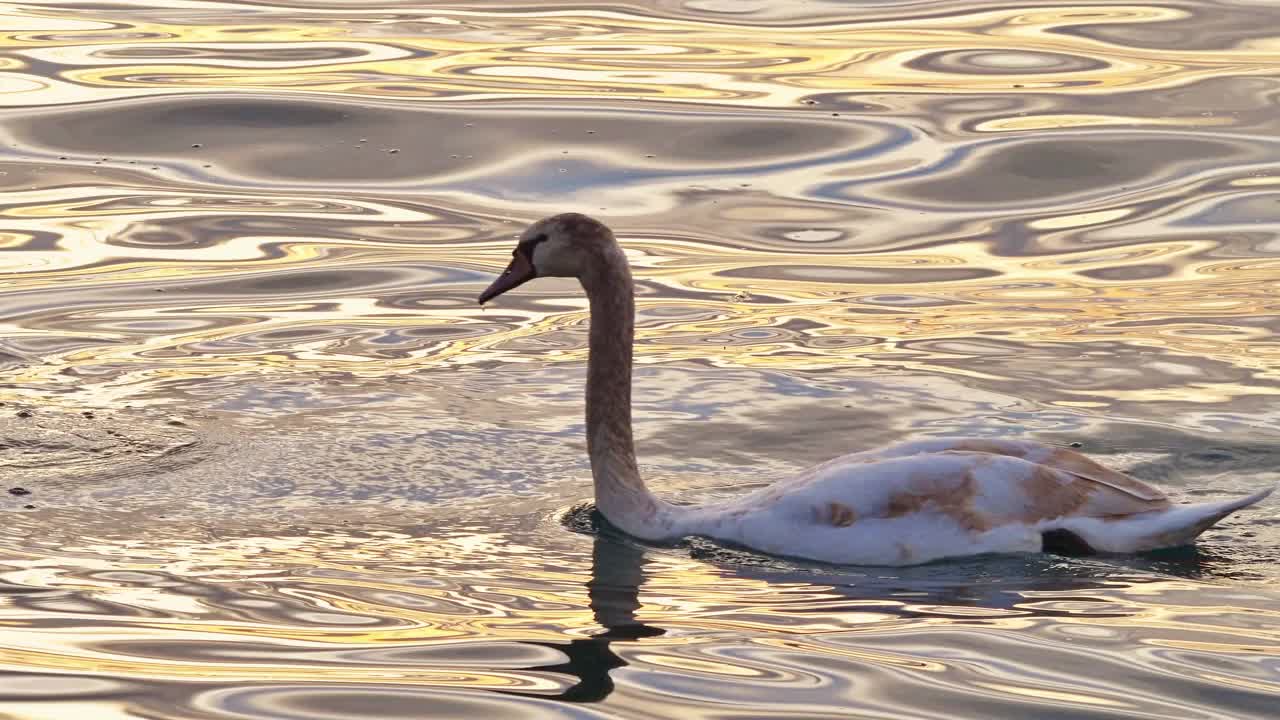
<point x="756" y="308"/>
<point x="397" y="611"/>
<point x="464" y="54"/>
<point x="283" y="466"/>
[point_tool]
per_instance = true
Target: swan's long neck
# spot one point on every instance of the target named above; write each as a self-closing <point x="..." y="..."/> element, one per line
<point x="620" y="492"/>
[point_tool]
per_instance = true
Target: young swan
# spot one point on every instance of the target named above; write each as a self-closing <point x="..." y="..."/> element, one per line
<point x="908" y="503"/>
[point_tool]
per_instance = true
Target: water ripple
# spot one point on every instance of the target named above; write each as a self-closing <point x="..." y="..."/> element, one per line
<point x="269" y="459"/>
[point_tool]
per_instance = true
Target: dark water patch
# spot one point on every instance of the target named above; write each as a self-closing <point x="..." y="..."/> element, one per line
<point x="308" y="140"/>
<point x="1053" y="170"/>
<point x="1226" y="26"/>
<point x="49" y="448"/>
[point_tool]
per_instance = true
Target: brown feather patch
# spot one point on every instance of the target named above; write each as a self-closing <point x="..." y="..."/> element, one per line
<point x="840" y="515"/>
<point x="1052" y="493"/>
<point x="953" y="500"/>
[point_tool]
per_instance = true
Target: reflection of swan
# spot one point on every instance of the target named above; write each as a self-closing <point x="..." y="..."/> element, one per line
<point x="613" y="591"/>
<point x="904" y="504"/>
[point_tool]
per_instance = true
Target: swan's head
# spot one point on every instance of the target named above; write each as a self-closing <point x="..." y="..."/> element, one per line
<point x="559" y="246"/>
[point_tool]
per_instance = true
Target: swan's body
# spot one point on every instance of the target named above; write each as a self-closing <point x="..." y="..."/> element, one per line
<point x="904" y="504"/>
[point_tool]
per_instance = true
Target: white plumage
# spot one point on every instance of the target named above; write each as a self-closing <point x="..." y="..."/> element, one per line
<point x="922" y="501"/>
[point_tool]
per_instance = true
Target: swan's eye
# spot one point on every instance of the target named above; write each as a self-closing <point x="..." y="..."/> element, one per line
<point x="527" y="246"/>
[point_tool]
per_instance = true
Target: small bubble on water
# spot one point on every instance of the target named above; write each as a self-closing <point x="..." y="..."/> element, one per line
<point x="197" y="146"/>
<point x="563" y="170"/>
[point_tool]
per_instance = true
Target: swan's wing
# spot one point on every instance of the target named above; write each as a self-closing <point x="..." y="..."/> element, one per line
<point x="1058" y="458"/>
<point x="1070" y="461"/>
<point x="1065" y="484"/>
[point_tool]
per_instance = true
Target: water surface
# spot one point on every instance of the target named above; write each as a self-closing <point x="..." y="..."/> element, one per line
<point x="280" y="465"/>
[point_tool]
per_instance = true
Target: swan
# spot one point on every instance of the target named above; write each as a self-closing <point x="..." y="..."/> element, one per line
<point x="905" y="504"/>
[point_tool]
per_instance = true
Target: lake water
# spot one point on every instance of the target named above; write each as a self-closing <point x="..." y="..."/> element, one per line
<point x="281" y="465"/>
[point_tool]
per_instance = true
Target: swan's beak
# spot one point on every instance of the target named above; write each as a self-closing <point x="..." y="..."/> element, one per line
<point x="519" y="272"/>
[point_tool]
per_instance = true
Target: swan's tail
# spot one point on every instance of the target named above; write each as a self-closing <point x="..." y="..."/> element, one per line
<point x="1178" y="525"/>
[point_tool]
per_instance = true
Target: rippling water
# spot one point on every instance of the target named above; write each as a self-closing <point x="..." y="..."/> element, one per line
<point x="280" y="465"/>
